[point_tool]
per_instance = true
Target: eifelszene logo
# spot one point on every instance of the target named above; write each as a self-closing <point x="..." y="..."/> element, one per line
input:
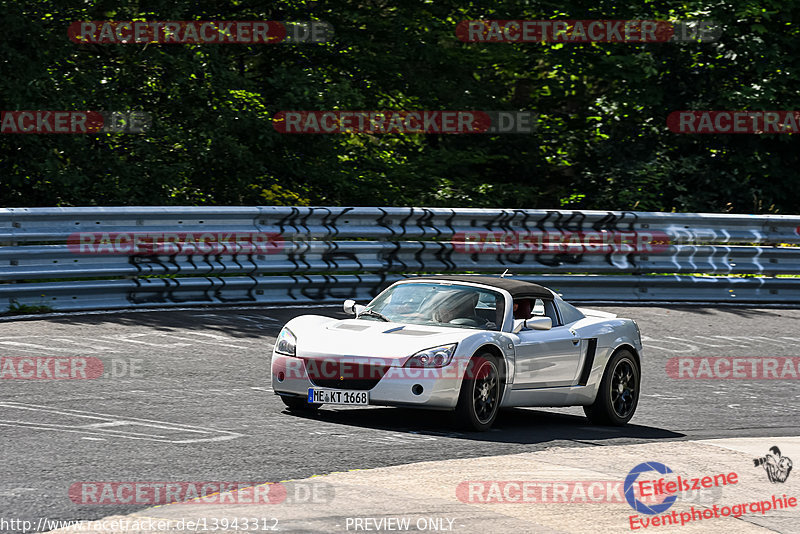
<point x="630" y="482"/>
<point x="670" y="487"/>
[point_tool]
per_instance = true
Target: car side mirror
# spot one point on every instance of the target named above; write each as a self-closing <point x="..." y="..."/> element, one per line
<point x="352" y="308"/>
<point x="538" y="323"/>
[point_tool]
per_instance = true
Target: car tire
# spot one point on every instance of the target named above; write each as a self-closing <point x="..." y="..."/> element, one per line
<point x="479" y="398"/>
<point x="618" y="394"/>
<point x="299" y="404"/>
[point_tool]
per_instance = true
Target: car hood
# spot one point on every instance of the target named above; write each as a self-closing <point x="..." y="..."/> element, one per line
<point x="359" y="340"/>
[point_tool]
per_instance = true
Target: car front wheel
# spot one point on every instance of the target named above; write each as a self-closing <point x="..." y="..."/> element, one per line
<point x="479" y="398"/>
<point x="618" y="395"/>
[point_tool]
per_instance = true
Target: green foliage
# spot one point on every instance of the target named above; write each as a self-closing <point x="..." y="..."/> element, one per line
<point x="15" y="308"/>
<point x="600" y="142"/>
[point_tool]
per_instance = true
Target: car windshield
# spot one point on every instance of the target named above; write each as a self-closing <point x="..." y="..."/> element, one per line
<point x="439" y="305"/>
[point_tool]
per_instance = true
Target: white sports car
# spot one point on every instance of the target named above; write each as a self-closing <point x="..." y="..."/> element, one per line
<point x="469" y="344"/>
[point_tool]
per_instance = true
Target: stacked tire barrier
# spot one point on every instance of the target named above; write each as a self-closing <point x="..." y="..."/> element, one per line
<point x="93" y="258"/>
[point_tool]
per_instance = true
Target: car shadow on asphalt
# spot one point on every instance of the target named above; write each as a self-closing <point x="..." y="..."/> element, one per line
<point x="516" y="425"/>
<point x="240" y="323"/>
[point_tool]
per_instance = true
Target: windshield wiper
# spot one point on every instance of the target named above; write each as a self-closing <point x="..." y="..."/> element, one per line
<point x="372" y="313"/>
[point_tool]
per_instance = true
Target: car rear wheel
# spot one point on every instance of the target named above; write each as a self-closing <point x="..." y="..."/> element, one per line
<point x="479" y="398"/>
<point x="299" y="404"/>
<point x="618" y="395"/>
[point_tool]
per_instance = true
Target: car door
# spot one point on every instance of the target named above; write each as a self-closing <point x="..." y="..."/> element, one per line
<point x="547" y="358"/>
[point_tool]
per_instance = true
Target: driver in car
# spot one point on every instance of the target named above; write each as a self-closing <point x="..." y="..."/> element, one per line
<point x="522" y="309"/>
<point x="460" y="309"/>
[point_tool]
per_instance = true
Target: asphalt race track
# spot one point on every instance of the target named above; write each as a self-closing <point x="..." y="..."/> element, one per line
<point x="187" y="398"/>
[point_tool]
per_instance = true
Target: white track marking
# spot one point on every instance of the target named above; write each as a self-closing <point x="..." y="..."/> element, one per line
<point x="210" y="343"/>
<point x="694" y="341"/>
<point x="98" y="348"/>
<point x="104" y="421"/>
<point x="40" y="348"/>
<point x="127" y="339"/>
<point x="684" y="345"/>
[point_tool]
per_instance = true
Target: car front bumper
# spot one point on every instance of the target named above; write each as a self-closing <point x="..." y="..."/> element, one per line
<point x="397" y="387"/>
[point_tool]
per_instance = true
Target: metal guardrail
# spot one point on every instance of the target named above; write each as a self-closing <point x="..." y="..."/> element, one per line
<point x="329" y="254"/>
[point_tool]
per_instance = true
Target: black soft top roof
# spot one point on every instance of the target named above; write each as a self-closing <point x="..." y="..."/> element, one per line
<point x="517" y="288"/>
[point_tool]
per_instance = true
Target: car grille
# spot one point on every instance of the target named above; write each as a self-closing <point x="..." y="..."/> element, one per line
<point x="344" y="375"/>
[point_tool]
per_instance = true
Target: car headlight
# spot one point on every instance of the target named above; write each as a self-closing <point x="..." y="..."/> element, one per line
<point x="433" y="357"/>
<point x="286" y="343"/>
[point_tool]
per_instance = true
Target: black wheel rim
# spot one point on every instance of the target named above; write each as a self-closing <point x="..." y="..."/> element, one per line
<point x="485" y="391"/>
<point x="623" y="388"/>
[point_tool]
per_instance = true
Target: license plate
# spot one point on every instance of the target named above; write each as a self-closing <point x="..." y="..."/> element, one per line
<point x="338" y="396"/>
